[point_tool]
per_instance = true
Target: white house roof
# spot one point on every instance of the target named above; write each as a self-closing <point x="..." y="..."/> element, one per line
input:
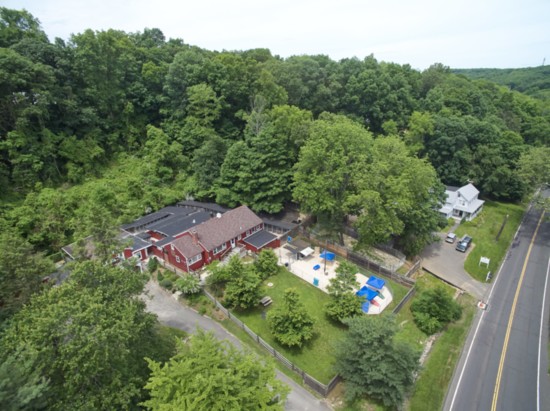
<point x="469" y="192"/>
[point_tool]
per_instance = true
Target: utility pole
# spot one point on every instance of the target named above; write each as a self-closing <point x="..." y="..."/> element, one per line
<point x="502" y="227"/>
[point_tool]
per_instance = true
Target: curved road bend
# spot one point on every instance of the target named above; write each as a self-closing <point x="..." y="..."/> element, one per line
<point x="499" y="365"/>
<point x="172" y="313"/>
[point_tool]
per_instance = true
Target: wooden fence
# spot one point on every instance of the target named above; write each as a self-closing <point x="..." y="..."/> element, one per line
<point x="402" y="303"/>
<point x="308" y="380"/>
<point x="361" y="260"/>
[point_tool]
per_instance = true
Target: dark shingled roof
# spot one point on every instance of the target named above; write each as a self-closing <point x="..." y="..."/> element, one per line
<point x="178" y="224"/>
<point x="164" y="241"/>
<point x="187" y="246"/>
<point x="157" y="217"/>
<point x="143" y="221"/>
<point x="260" y="239"/>
<point x="205" y="206"/>
<point x="279" y="223"/>
<point x="217" y="231"/>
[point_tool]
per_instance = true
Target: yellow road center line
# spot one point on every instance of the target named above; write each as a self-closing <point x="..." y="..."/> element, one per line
<point x="511" y="319"/>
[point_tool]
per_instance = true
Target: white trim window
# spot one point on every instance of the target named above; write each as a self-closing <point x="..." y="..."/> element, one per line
<point x="219" y="249"/>
<point x="178" y="259"/>
<point x="194" y="259"/>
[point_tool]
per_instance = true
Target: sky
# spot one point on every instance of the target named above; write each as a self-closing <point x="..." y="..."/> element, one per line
<point x="459" y="34"/>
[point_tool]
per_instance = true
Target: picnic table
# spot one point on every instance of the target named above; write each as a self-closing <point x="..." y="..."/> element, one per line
<point x="266" y="301"/>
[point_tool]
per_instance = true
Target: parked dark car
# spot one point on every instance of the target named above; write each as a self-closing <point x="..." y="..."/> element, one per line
<point x="464" y="244"/>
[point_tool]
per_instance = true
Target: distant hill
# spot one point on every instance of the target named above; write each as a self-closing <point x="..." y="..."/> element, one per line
<point x="534" y="81"/>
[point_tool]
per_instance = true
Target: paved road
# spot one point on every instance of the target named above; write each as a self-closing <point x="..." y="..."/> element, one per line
<point x="172" y="313"/>
<point x="499" y="366"/>
<point x="441" y="259"/>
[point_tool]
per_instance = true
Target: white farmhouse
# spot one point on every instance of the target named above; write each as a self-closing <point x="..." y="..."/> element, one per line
<point x="462" y="202"/>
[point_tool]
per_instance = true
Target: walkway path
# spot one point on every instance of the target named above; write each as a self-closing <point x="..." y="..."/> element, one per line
<point x="170" y="312"/>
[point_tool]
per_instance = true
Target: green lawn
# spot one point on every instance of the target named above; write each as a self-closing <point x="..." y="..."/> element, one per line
<point x="450" y="222"/>
<point x="484" y="229"/>
<point x="431" y="386"/>
<point x="316" y="357"/>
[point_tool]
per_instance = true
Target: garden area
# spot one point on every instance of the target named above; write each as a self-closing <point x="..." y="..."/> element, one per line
<point x="484" y="230"/>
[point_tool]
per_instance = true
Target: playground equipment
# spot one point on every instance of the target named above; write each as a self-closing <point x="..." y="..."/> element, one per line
<point x="370" y="291"/>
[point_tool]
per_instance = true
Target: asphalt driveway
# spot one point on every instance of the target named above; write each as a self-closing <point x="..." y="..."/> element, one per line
<point x="442" y="260"/>
<point x="171" y="312"/>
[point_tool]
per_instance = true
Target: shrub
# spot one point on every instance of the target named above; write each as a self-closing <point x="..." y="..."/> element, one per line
<point x="160" y="277"/>
<point x="433" y="309"/>
<point x="188" y="284"/>
<point x="152" y="265"/>
<point x="166" y="283"/>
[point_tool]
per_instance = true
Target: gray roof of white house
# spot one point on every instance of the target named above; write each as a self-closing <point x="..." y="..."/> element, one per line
<point x="469" y="192"/>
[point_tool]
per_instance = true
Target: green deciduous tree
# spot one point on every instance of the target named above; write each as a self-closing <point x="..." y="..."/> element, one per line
<point x="397" y="195"/>
<point x="343" y="306"/>
<point x="22" y="271"/>
<point x="188" y="284"/>
<point x="345" y="280"/>
<point x="372" y="363"/>
<point x="290" y="323"/>
<point x="343" y="302"/>
<point x="534" y="167"/>
<point x="243" y="291"/>
<point x="90" y="336"/>
<point x="266" y="263"/>
<point x="330" y="162"/>
<point x="22" y="387"/>
<point x="209" y="375"/>
<point x="257" y="171"/>
<point x="433" y="309"/>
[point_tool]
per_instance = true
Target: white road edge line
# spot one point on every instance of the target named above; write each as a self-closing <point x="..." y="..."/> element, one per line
<point x="540" y="333"/>
<point x="481" y="319"/>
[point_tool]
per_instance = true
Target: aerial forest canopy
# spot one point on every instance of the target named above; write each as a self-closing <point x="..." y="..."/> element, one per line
<point x="110" y="124"/>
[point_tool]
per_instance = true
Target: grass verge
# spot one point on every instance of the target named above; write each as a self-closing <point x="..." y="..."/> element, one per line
<point x="484" y="229"/>
<point x="431" y="386"/>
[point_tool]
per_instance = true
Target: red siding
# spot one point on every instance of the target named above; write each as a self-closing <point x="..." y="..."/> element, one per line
<point x="197" y="265"/>
<point x="158" y="252"/>
<point x="127" y="253"/>
<point x="172" y="254"/>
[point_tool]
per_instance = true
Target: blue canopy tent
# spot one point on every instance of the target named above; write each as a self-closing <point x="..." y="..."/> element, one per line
<point x="365" y="307"/>
<point x="376" y="283"/>
<point x="327" y="255"/>
<point x="367" y="292"/>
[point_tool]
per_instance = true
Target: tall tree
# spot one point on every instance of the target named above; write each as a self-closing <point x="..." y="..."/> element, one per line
<point x="89" y="337"/>
<point x="343" y="303"/>
<point x="330" y="162"/>
<point x="290" y="323"/>
<point x="209" y="375"/>
<point x="373" y="364"/>
<point x="22" y="271"/>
